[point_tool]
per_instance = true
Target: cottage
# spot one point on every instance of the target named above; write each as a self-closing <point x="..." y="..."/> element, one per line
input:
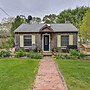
<point x="45" y="36"/>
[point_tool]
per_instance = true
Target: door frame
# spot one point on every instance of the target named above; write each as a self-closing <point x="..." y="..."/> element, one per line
<point x="43" y="42"/>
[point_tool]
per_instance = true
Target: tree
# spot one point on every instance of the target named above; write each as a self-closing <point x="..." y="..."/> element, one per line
<point x="3" y="34"/>
<point x="63" y="15"/>
<point x="75" y="15"/>
<point x="17" y="22"/>
<point x="6" y="24"/>
<point x="36" y="20"/>
<point x="10" y="42"/>
<point x="85" y="26"/>
<point x="50" y="18"/>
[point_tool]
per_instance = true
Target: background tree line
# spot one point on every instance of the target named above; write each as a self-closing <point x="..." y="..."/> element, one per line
<point x="80" y="17"/>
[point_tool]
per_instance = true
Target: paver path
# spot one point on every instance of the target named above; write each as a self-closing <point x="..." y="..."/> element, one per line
<point x="48" y="77"/>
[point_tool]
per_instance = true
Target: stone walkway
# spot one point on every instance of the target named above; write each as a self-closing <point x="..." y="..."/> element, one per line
<point x="48" y="77"/>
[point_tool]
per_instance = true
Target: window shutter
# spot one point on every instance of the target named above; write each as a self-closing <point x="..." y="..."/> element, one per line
<point x="70" y="39"/>
<point x="33" y="39"/>
<point x="58" y="40"/>
<point x="21" y="41"/>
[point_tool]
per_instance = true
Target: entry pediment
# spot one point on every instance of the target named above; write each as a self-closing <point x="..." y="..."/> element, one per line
<point x="46" y="28"/>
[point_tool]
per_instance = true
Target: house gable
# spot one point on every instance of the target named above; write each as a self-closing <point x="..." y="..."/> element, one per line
<point x="46" y="28"/>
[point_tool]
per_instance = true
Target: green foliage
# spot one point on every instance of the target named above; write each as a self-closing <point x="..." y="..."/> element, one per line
<point x="17" y="22"/>
<point x="20" y="53"/>
<point x="34" y="55"/>
<point x="3" y="34"/>
<point x="81" y="55"/>
<point x="53" y="49"/>
<point x="72" y="55"/>
<point x="6" y="43"/>
<point x="36" y="20"/>
<point x="73" y="52"/>
<point x="4" y="54"/>
<point x="75" y="15"/>
<point x="60" y="56"/>
<point x="85" y="26"/>
<point x="10" y="42"/>
<point x="30" y="54"/>
<point x="2" y="43"/>
<point x="50" y="18"/>
<point x="39" y="50"/>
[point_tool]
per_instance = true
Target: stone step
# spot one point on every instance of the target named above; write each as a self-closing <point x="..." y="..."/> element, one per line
<point x="47" y="53"/>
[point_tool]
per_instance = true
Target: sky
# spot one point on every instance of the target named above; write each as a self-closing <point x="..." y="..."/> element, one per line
<point x="38" y="8"/>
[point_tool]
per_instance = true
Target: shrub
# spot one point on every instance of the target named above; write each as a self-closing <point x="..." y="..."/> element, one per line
<point x="34" y="55"/>
<point x="73" y="52"/>
<point x="20" y="53"/>
<point x="60" y="56"/>
<point x="73" y="55"/>
<point x="30" y="54"/>
<point x="4" y="54"/>
<point x="67" y="56"/>
<point x="81" y="55"/>
<point x="39" y="49"/>
<point x="38" y="56"/>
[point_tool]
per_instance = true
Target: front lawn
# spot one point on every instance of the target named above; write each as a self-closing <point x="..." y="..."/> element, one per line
<point x="17" y="74"/>
<point x="76" y="73"/>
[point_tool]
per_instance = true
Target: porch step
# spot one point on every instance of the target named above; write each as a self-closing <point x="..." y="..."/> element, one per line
<point x="47" y="53"/>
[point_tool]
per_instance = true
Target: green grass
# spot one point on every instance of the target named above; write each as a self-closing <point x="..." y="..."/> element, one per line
<point x="17" y="74"/>
<point x="76" y="73"/>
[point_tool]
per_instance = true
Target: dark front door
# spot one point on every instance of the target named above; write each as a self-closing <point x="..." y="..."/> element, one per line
<point x="46" y="42"/>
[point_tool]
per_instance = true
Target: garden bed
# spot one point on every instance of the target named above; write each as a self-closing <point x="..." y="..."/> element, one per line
<point x="21" y="53"/>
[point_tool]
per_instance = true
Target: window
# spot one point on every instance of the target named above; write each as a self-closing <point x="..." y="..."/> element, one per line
<point x="64" y="40"/>
<point x="28" y="40"/>
<point x="46" y="40"/>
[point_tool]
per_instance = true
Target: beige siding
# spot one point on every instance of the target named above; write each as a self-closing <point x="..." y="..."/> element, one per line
<point x="70" y="39"/>
<point x="21" y="41"/>
<point x="58" y="40"/>
<point x="33" y="39"/>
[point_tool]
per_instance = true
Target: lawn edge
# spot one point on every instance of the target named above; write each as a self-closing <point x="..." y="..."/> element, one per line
<point x="33" y="85"/>
<point x="61" y="76"/>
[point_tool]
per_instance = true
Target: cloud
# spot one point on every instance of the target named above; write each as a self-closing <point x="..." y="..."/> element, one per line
<point x="38" y="7"/>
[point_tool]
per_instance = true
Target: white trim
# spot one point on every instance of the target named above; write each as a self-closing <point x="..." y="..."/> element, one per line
<point x="22" y="40"/>
<point x="70" y="39"/>
<point x="43" y="42"/>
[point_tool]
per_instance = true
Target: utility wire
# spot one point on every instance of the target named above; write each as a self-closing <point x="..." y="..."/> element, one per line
<point x="5" y="12"/>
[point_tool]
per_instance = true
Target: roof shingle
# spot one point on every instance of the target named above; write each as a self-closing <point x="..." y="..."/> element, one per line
<point x="56" y="28"/>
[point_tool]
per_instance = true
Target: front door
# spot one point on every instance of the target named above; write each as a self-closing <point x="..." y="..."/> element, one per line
<point x="46" y="42"/>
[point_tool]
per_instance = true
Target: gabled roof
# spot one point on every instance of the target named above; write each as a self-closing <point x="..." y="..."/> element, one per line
<point x="55" y="27"/>
<point x="46" y="28"/>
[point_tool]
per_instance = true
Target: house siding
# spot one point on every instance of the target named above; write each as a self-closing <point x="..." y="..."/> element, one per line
<point x="53" y="40"/>
<point x="17" y="39"/>
<point x="38" y="39"/>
